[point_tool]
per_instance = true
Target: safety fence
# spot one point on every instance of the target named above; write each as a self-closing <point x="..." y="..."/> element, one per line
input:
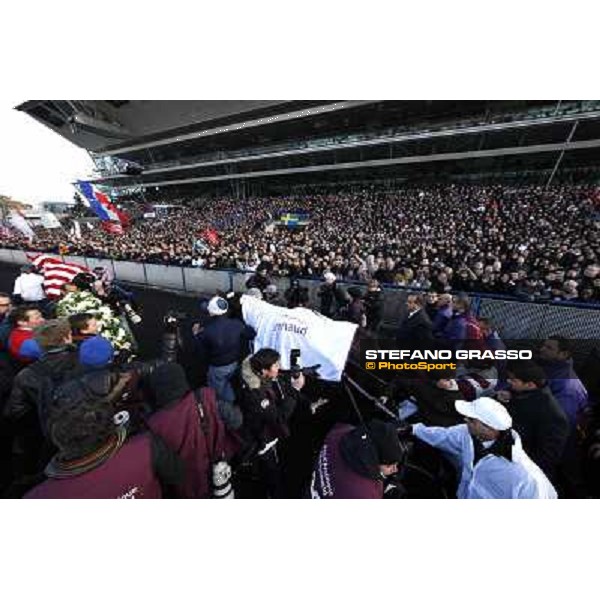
<point x="515" y="319"/>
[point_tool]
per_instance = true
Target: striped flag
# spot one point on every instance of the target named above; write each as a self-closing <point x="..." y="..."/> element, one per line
<point x="100" y="203"/>
<point x="56" y="273"/>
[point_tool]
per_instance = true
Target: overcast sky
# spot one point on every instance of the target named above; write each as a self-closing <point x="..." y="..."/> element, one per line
<point x="36" y="164"/>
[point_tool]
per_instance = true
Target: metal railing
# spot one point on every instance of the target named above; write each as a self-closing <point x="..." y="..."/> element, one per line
<point x="514" y="318"/>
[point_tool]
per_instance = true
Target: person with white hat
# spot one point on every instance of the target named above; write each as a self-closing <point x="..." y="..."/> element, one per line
<point x="487" y="453"/>
<point x="333" y="299"/>
<point x="222" y="344"/>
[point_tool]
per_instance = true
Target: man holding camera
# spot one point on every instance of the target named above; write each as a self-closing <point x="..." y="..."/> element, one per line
<point x="268" y="403"/>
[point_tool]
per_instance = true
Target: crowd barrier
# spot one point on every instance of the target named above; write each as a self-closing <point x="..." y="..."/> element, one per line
<point x="515" y="319"/>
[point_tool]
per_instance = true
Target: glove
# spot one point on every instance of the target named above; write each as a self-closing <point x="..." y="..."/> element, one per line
<point x="394" y="490"/>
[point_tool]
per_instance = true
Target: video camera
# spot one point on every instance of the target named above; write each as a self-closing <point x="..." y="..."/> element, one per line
<point x="173" y="319"/>
<point x="296" y="367"/>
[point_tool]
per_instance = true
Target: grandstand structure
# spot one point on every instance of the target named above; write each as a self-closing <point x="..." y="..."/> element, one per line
<point x="178" y="149"/>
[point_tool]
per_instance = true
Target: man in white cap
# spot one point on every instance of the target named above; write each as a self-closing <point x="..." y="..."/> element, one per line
<point x="333" y="299"/>
<point x="487" y="453"/>
<point x="222" y="344"/>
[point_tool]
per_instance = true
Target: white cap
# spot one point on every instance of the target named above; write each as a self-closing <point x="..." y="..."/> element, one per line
<point x="255" y="293"/>
<point x="329" y="277"/>
<point x="217" y="306"/>
<point x="487" y="410"/>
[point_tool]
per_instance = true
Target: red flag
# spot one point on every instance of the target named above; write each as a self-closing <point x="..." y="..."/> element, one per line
<point x="211" y="235"/>
<point x="112" y="227"/>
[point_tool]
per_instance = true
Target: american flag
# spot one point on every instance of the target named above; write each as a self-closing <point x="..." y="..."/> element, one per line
<point x="56" y="273"/>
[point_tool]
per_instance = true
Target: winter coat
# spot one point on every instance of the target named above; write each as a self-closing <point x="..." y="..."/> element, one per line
<point x="224" y="341"/>
<point x="542" y="425"/>
<point x="267" y="407"/>
<point x="335" y="476"/>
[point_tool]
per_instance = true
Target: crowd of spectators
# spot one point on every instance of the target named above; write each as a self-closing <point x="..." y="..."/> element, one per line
<point x="525" y="241"/>
<point x="79" y="418"/>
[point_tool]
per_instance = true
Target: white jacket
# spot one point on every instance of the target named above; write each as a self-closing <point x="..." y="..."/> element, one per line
<point x="493" y="476"/>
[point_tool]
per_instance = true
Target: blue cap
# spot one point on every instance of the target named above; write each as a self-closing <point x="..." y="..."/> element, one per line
<point x="96" y="352"/>
<point x="30" y="349"/>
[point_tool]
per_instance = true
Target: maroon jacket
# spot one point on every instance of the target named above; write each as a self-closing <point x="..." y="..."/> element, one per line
<point x="197" y="434"/>
<point x="334" y="479"/>
<point x="127" y="474"/>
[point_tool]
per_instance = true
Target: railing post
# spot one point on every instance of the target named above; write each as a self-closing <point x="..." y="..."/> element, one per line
<point x="183" y="279"/>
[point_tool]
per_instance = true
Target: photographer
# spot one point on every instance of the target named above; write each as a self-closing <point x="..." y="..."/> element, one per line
<point x="355" y="462"/>
<point x="297" y="296"/>
<point x="97" y="458"/>
<point x="188" y="420"/>
<point x="268" y="402"/>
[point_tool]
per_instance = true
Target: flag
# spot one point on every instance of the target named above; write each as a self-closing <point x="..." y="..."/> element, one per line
<point x="100" y="203"/>
<point x="112" y="227"/>
<point x="293" y="219"/>
<point x="56" y="272"/>
<point x="211" y="235"/>
<point x="18" y="221"/>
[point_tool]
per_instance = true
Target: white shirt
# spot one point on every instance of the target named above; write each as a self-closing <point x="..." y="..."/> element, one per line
<point x="30" y="286"/>
<point x="493" y="476"/>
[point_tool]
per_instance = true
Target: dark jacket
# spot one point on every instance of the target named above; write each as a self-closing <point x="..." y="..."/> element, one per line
<point x="356" y="311"/>
<point x="267" y="407"/>
<point x="542" y="425"/>
<point x="374" y="304"/>
<point x="258" y="281"/>
<point x="441" y="319"/>
<point x="415" y="332"/>
<point x="341" y="470"/>
<point x="436" y="405"/>
<point x="332" y="299"/>
<point x="52" y="369"/>
<point x="567" y="388"/>
<point x="224" y="341"/>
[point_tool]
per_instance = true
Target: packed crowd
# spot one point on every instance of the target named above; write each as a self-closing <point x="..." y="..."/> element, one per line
<point x="529" y="242"/>
<point x="82" y="418"/>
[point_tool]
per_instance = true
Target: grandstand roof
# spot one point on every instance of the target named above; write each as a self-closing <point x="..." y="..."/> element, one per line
<point x="109" y="126"/>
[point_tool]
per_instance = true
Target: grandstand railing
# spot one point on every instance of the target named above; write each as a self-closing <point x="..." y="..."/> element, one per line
<point x="514" y="318"/>
<point x="550" y="114"/>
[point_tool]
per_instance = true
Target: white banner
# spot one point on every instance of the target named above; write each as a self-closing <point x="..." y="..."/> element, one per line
<point x="20" y="224"/>
<point x="319" y="339"/>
